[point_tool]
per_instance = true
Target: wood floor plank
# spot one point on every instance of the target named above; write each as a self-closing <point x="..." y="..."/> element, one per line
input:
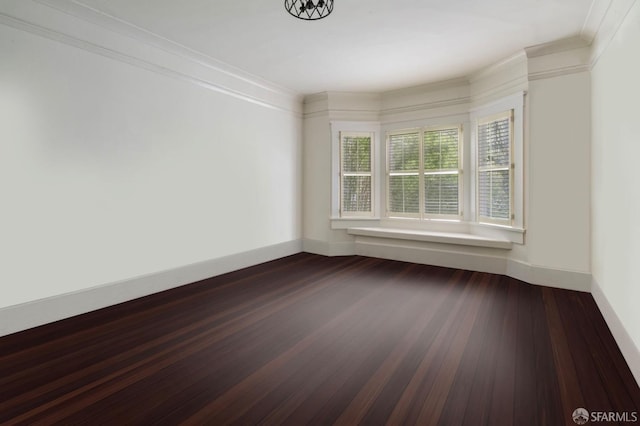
<point x="309" y="339"/>
<point x="570" y="389"/>
<point x="548" y="390"/>
<point x="472" y="384"/>
<point x="390" y="397"/>
<point x="440" y="387"/>
<point x="502" y="371"/>
<point x="368" y="394"/>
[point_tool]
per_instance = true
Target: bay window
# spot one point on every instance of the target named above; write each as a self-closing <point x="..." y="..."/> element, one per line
<point x="433" y="175"/>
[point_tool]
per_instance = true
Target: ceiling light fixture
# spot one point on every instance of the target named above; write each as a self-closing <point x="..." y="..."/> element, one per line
<point x="309" y="10"/>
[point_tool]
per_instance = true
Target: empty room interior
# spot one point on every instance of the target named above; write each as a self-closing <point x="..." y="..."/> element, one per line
<point x="316" y="212"/>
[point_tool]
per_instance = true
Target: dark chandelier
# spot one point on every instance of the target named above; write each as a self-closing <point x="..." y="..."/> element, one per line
<point x="309" y="10"/>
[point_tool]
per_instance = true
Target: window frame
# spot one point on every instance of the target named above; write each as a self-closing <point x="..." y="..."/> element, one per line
<point x="509" y="115"/>
<point x="343" y="174"/>
<point x="422" y="215"/>
<point x="516" y="104"/>
<point x="459" y="172"/>
<point x="388" y="175"/>
<point x="336" y="128"/>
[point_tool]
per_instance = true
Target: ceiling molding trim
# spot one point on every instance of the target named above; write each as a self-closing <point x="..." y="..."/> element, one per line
<point x="316" y="97"/>
<point x="557" y="72"/>
<point x="516" y="60"/>
<point x="593" y="21"/>
<point x="560" y="57"/>
<point x="316" y="114"/>
<point x="613" y="18"/>
<point x="427" y="106"/>
<point x="556" y="46"/>
<point x="505" y="88"/>
<point x="122" y="27"/>
<point x="345" y="114"/>
<point x="40" y="17"/>
<point x="500" y="79"/>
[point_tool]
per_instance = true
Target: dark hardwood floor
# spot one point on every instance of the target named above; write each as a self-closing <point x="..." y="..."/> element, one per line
<point x="315" y="340"/>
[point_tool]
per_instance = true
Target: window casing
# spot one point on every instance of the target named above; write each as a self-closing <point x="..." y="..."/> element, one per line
<point x="497" y="165"/>
<point x="424" y="173"/>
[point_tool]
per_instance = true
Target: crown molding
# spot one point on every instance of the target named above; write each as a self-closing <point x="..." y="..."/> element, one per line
<point x="345" y="115"/>
<point x="87" y="13"/>
<point x="556" y="46"/>
<point x="559" y="57"/>
<point x="485" y="95"/>
<point x="427" y="106"/>
<point x="354" y="101"/>
<point x="363" y="106"/>
<point x="566" y="56"/>
<point x="70" y="23"/>
<point x="557" y="72"/>
<point x="500" y="79"/>
<point x="316" y="97"/>
<point x="593" y="21"/>
<point x="517" y="59"/>
<point x="614" y="15"/>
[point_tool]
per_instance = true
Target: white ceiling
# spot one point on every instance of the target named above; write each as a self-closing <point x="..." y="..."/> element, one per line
<point x="373" y="45"/>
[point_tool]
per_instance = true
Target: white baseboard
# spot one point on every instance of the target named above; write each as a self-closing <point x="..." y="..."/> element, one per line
<point x="491" y="262"/>
<point x="430" y="256"/>
<point x="629" y="350"/>
<point x="326" y="248"/>
<point x="549" y="277"/>
<point x="38" y="312"/>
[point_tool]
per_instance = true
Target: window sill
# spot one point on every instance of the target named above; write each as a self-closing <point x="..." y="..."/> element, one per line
<point x="465" y="239"/>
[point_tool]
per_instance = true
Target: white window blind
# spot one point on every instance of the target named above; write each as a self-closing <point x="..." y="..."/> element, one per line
<point x="494" y="162"/>
<point x="424" y="173"/>
<point x="404" y="173"/>
<point x="442" y="171"/>
<point x="356" y="179"/>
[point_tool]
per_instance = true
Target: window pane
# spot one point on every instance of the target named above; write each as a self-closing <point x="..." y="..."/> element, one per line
<point x="441" y="149"/>
<point x="356" y="194"/>
<point x="494" y="143"/>
<point x="484" y="194"/>
<point x="441" y="194"/>
<point x="404" y="194"/>
<point x="494" y="194"/>
<point x="356" y="154"/>
<point x="404" y="152"/>
<point x="500" y="194"/>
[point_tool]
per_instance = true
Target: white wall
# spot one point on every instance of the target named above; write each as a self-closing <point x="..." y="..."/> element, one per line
<point x="317" y="174"/>
<point x="110" y="171"/>
<point x="319" y="112"/>
<point x="616" y="183"/>
<point x="558" y="201"/>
